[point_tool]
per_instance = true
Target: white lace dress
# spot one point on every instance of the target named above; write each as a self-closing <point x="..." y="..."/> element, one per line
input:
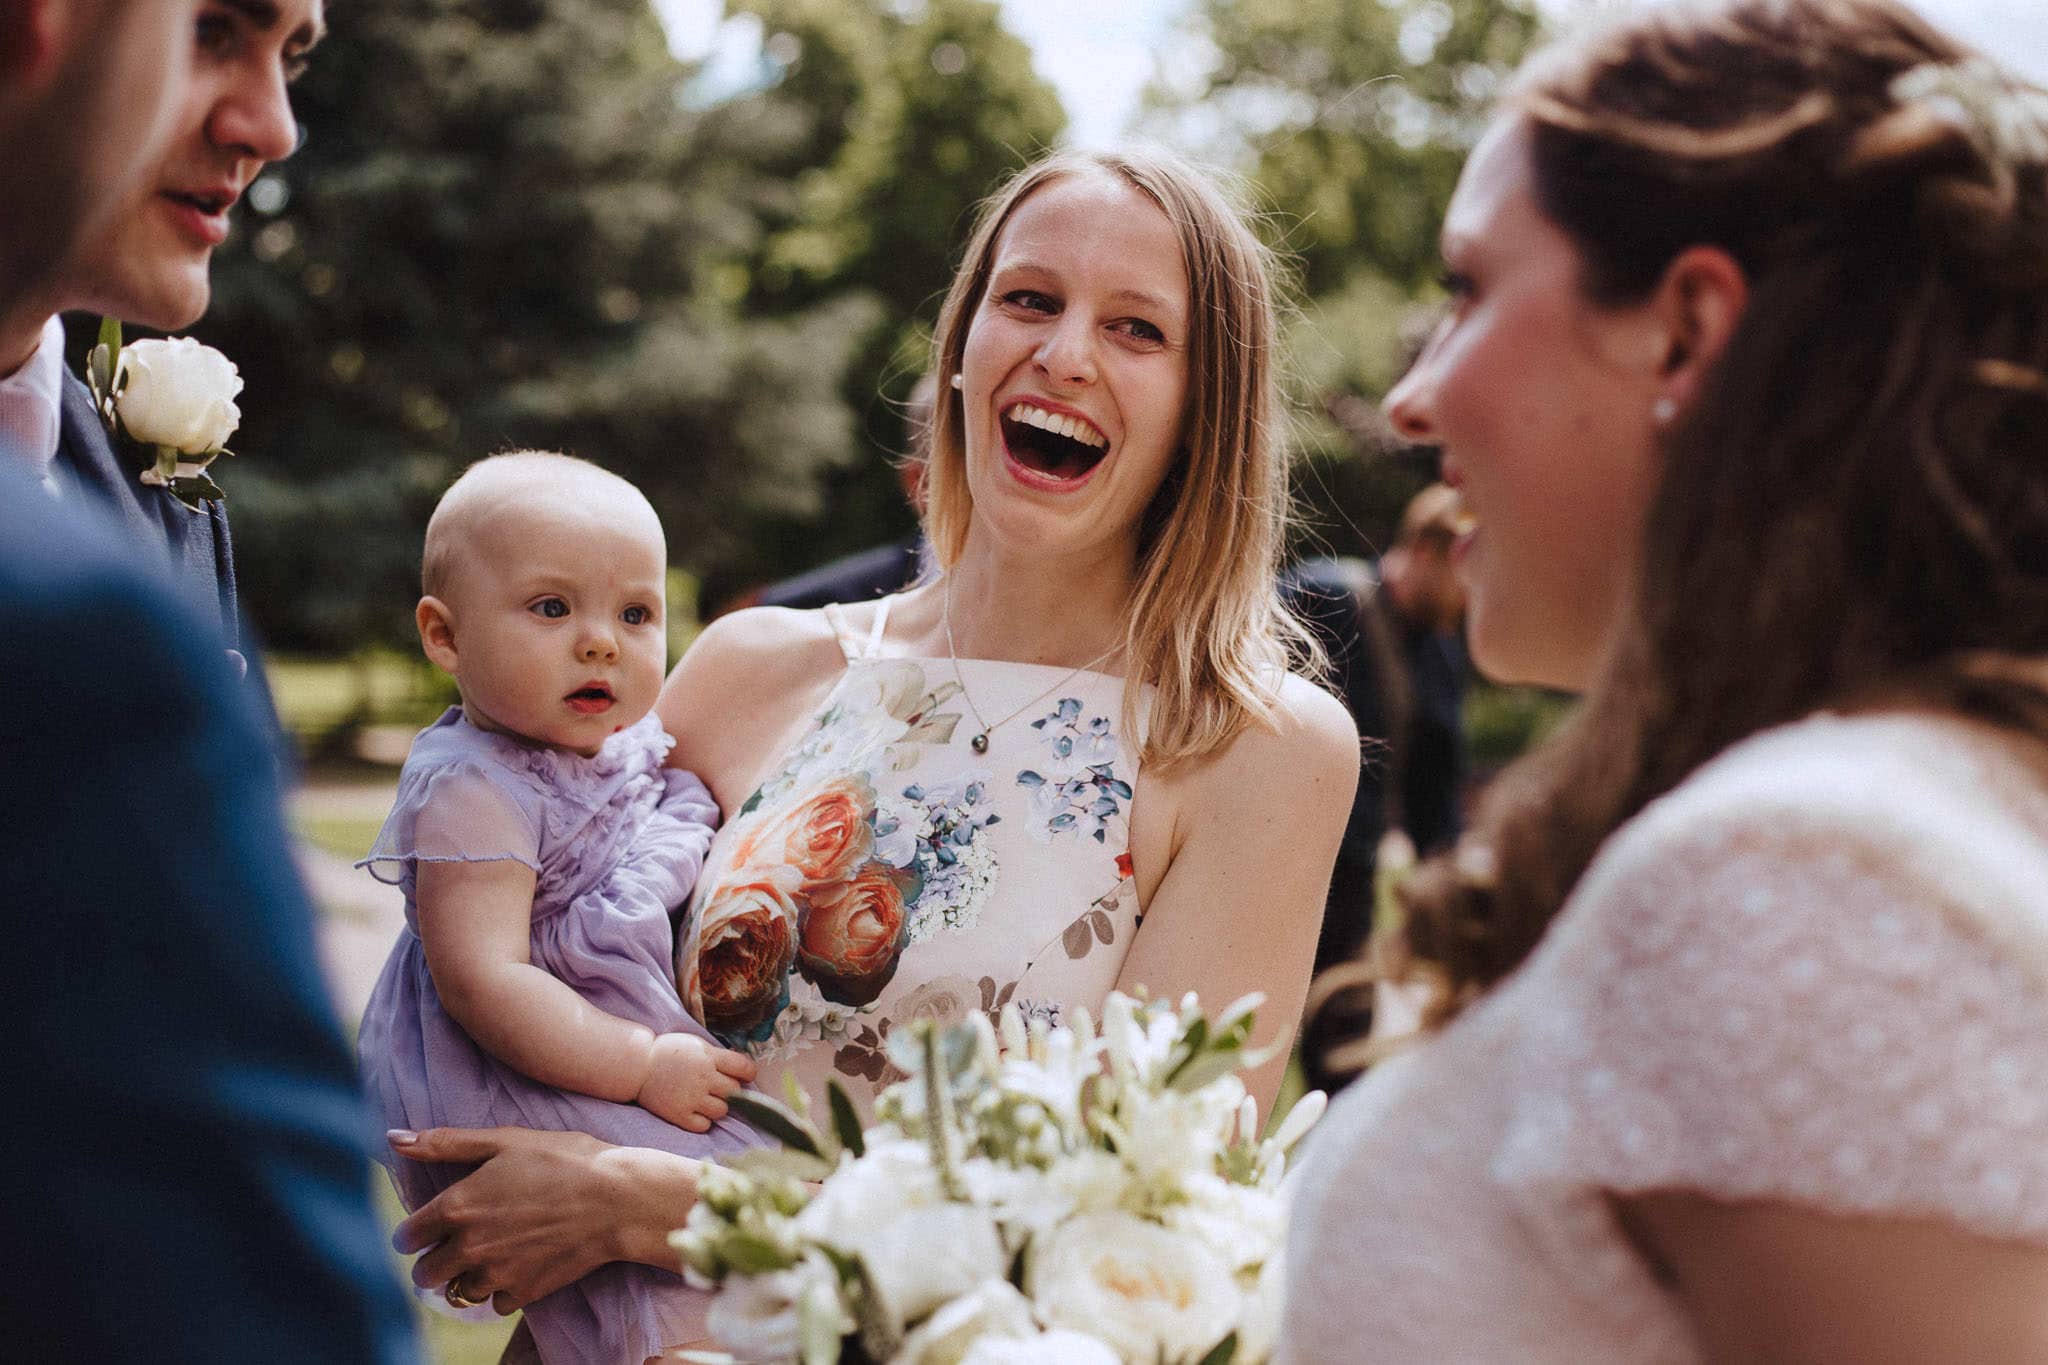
<point x="1815" y="973"/>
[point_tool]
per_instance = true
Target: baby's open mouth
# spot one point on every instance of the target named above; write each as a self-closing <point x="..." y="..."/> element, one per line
<point x="590" y="698"/>
<point x="1053" y="444"/>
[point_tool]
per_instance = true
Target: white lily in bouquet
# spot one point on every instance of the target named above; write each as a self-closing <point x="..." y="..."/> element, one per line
<point x="1026" y="1196"/>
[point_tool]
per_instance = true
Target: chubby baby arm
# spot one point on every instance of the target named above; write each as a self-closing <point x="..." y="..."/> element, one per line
<point x="475" y="925"/>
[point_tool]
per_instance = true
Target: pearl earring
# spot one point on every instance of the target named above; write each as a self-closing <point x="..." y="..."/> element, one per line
<point x="1663" y="410"/>
<point x="959" y="382"/>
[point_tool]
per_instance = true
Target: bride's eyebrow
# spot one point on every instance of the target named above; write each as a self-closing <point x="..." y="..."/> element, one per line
<point x="264" y="15"/>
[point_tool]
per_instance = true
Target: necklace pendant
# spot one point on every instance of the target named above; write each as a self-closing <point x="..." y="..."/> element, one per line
<point x="979" y="743"/>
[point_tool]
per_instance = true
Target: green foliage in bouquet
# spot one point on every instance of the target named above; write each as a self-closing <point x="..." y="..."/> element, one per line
<point x="1027" y="1193"/>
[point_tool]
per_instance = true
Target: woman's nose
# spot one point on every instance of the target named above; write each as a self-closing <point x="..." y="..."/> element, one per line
<point x="1068" y="355"/>
<point x="1407" y="406"/>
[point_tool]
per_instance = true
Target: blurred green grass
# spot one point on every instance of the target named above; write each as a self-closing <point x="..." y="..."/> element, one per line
<point x="344" y="836"/>
<point x="315" y="695"/>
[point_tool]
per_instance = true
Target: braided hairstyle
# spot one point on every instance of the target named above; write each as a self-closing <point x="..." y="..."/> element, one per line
<point x="1855" y="511"/>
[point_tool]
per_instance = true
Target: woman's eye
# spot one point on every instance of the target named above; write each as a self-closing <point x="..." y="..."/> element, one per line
<point x="1142" y="330"/>
<point x="1029" y="299"/>
<point x="636" y="616"/>
<point x="216" y="33"/>
<point x="554" y="608"/>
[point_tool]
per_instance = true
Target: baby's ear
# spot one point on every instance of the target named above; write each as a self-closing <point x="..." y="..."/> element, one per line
<point x="437" y="632"/>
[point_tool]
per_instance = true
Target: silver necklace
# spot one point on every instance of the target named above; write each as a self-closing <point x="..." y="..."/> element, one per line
<point x="980" y="741"/>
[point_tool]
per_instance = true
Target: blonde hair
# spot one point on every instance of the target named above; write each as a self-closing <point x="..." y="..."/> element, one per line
<point x="491" y="482"/>
<point x="1206" y="627"/>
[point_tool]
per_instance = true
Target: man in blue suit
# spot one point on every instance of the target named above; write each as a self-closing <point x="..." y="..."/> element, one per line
<point x="183" y="1164"/>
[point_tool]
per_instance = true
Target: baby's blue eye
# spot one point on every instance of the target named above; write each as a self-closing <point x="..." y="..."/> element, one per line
<point x="635" y="616"/>
<point x="554" y="608"/>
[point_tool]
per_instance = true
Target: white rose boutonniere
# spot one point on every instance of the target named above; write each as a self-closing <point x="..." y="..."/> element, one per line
<point x="176" y="400"/>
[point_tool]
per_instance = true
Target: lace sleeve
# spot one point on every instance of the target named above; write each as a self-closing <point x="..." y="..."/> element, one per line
<point x="1768" y="1001"/>
<point x="464" y="812"/>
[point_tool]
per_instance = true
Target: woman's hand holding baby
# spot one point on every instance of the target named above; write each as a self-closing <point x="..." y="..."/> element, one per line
<point x="688" y="1080"/>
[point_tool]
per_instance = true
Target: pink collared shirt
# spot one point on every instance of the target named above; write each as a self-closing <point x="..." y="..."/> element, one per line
<point x="31" y="403"/>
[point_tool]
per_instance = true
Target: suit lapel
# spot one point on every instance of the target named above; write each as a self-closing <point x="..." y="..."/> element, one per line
<point x="195" y="543"/>
<point x="86" y="452"/>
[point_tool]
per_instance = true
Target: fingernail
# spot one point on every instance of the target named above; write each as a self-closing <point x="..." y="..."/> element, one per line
<point x="401" y="1137"/>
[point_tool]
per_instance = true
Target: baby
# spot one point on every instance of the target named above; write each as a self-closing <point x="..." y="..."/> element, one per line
<point x="541" y="846"/>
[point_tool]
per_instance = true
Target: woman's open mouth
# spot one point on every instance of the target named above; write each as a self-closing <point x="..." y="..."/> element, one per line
<point x="591" y="699"/>
<point x="1059" y="447"/>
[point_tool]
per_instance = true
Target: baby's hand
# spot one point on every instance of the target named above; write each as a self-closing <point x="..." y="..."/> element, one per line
<point x="688" y="1080"/>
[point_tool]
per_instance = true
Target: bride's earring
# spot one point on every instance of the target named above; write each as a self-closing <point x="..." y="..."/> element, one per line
<point x="1663" y="410"/>
<point x="959" y="382"/>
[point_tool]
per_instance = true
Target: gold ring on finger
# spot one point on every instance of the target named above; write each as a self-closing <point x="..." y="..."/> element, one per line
<point x="452" y="1292"/>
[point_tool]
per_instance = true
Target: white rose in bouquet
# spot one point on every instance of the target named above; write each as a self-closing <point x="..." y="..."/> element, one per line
<point x="992" y="1308"/>
<point x="1049" y="1348"/>
<point x="891" y="1176"/>
<point x="921" y="1258"/>
<point x="1170" y="1134"/>
<point x="1240" y="1223"/>
<point x="1093" y="1181"/>
<point x="1023" y="1200"/>
<point x="756" y="1317"/>
<point x="890" y="1209"/>
<point x="177" y="393"/>
<point x="1147" y="1291"/>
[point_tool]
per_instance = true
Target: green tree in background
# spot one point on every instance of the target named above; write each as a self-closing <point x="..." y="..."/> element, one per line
<point x="912" y="115"/>
<point x="1351" y="118"/>
<point x="510" y="229"/>
<point x="1356" y="116"/>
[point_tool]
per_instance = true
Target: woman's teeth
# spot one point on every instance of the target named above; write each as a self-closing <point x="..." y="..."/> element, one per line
<point x="1073" y="428"/>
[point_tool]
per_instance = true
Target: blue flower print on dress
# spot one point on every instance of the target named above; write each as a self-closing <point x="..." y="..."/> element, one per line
<point x="931" y="829"/>
<point x="1079" y="792"/>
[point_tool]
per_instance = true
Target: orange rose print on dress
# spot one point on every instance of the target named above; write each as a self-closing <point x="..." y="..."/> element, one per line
<point x="738" y="979"/>
<point x="854" y="931"/>
<point x="827" y="836"/>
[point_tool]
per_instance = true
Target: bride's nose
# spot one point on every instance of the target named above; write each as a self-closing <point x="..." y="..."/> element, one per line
<point x="1408" y="404"/>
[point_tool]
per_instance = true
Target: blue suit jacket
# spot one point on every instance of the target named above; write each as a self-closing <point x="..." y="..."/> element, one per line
<point x="184" y="1157"/>
<point x="197" y="543"/>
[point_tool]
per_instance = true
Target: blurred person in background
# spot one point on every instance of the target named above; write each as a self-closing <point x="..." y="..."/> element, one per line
<point x="1394" y="631"/>
<point x="183" y="1166"/>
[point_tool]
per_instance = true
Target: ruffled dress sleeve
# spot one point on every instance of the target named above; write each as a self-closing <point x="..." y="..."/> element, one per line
<point x="457" y="807"/>
<point x="1816" y="974"/>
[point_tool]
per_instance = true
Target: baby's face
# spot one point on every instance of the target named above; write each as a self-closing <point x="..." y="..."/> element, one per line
<point x="557" y="618"/>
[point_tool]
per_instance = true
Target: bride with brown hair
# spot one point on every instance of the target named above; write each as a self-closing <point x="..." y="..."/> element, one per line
<point x="1739" y="1049"/>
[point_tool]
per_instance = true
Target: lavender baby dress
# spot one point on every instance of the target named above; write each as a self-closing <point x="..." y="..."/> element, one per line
<point x="615" y="841"/>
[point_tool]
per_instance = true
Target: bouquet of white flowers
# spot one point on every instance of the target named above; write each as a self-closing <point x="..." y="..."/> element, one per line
<point x="1046" y="1195"/>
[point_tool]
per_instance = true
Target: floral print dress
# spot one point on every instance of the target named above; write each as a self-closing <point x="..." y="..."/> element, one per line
<point x="886" y="872"/>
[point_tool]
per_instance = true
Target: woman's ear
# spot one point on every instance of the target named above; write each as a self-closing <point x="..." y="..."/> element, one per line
<point x="1700" y="302"/>
<point x="437" y="632"/>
